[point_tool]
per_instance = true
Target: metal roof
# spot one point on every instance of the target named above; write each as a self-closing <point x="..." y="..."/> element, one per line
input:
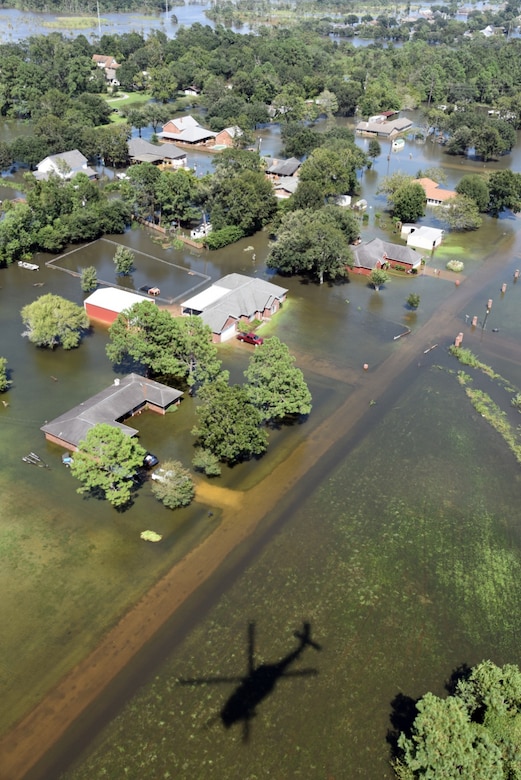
<point x="114" y="299"/>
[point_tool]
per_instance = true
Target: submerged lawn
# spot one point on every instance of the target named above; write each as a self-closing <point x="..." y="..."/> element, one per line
<point x="406" y="563"/>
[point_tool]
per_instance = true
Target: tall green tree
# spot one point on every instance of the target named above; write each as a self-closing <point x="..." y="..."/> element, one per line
<point x="275" y="386"/>
<point x="124" y="261"/>
<point x="473" y="733"/>
<point x="462" y="213"/>
<point x="310" y="243"/>
<point x="106" y="462"/>
<point x="180" y="348"/>
<point x="408" y="202"/>
<point x="505" y="191"/>
<point x="228" y="424"/>
<point x="476" y="187"/>
<point x="52" y="320"/>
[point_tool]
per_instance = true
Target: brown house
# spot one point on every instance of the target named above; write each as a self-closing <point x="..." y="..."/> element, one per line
<point x="125" y="398"/>
<point x="382" y="254"/>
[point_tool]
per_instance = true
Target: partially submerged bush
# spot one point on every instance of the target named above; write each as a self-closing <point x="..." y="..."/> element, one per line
<point x="455" y="265"/>
<point x="227" y="235"/>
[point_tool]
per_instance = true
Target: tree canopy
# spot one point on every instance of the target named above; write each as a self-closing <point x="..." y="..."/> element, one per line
<point x="228" y="424"/>
<point x="314" y="243"/>
<point x="106" y="462"/>
<point x="52" y="320"/>
<point x="274" y="385"/>
<point x="179" y="348"/>
<point x="472" y="733"/>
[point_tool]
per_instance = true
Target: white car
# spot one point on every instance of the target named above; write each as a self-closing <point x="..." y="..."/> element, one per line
<point x="160" y="475"/>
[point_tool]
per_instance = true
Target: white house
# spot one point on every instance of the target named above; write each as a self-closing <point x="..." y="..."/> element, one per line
<point x="65" y="165"/>
<point x="423" y="237"/>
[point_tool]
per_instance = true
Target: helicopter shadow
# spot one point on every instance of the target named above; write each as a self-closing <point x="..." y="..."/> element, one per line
<point x="259" y="682"/>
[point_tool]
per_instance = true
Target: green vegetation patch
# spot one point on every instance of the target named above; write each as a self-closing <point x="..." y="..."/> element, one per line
<point x="74" y="22"/>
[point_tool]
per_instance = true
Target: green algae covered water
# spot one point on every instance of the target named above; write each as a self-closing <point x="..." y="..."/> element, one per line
<point x="405" y="561"/>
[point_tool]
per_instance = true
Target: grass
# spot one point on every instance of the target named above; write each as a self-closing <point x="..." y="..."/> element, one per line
<point x="74" y="22"/>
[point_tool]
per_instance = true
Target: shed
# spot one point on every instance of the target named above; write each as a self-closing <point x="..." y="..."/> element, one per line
<point x="105" y="304"/>
<point x="422" y="237"/>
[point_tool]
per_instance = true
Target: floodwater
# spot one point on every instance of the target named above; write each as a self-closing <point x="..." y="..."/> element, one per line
<point x="400" y="547"/>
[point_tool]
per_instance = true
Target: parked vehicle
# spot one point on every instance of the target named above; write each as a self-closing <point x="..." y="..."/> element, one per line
<point x="150" y="460"/>
<point x="150" y="290"/>
<point x="250" y="338"/>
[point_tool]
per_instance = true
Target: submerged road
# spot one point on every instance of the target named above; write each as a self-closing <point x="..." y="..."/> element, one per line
<point x="24" y="748"/>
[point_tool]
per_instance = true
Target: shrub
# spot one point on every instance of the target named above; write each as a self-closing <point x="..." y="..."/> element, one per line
<point x="226" y="235"/>
<point x="206" y="461"/>
<point x="89" y="279"/>
<point x="413" y="300"/>
<point x="455" y="265"/>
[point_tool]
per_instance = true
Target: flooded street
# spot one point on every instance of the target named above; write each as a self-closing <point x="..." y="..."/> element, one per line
<point x="389" y="521"/>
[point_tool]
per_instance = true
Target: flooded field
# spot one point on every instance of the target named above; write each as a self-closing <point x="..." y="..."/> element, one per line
<point x="391" y="522"/>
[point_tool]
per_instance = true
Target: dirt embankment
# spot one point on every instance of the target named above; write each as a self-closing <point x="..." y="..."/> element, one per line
<point x="22" y="748"/>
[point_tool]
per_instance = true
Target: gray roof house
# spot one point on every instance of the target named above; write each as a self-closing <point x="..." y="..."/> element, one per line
<point x="123" y="399"/>
<point x="378" y="253"/>
<point x="65" y="165"/>
<point x="384" y="129"/>
<point x="235" y="298"/>
<point x="275" y="167"/>
<point x="140" y="151"/>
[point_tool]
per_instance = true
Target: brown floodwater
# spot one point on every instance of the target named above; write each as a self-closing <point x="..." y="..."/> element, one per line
<point x="400" y="546"/>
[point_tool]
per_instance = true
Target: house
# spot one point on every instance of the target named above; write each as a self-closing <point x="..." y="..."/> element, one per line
<point x="186" y="130"/>
<point x="423" y="237"/>
<point x="109" y="66"/>
<point x="383" y="129"/>
<point x="436" y="196"/>
<point x="343" y="200"/>
<point x="274" y="168"/>
<point x="125" y="398"/>
<point x="65" y="165"/>
<point x="235" y="298"/>
<point x="192" y="91"/>
<point x="140" y="151"/>
<point x="104" y="304"/>
<point x="228" y="136"/>
<point x="285" y="187"/>
<point x="382" y="254"/>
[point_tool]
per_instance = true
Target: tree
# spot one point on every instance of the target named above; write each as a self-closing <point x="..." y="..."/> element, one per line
<point x="177" y="193"/>
<point x="476" y="187"/>
<point x="228" y="424"/>
<point x="106" y="462"/>
<point x="472" y="733"/>
<point x="505" y="191"/>
<point x="311" y="243"/>
<point x="378" y="277"/>
<point x="139" y="189"/>
<point x="180" y="348"/>
<point x="408" y="202"/>
<point x="206" y="461"/>
<point x="413" y="301"/>
<point x="244" y="200"/>
<point x="275" y="386"/>
<point x="175" y="487"/>
<point x="4" y="381"/>
<point x="52" y="320"/>
<point x="89" y="279"/>
<point x="124" y="261"/>
<point x="462" y="213"/>
<point x="374" y="149"/>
